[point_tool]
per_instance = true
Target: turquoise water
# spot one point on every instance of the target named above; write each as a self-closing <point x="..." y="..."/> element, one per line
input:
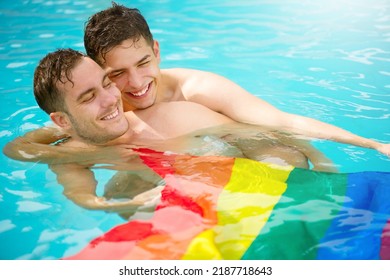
<point x="324" y="59"/>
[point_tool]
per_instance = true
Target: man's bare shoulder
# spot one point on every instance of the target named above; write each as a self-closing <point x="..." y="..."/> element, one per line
<point x="191" y="83"/>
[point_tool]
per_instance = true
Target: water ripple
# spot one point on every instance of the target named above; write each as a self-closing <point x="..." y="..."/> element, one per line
<point x="31" y="206"/>
<point x="365" y="56"/>
<point x="6" y="225"/>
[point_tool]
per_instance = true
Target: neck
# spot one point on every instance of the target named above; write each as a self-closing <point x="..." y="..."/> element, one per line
<point x="139" y="132"/>
<point x="127" y="107"/>
<point x="128" y="137"/>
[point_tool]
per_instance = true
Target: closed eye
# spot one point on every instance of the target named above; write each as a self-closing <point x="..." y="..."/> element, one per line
<point x="115" y="75"/>
<point x="107" y="83"/>
<point x="144" y="63"/>
<point x="88" y="97"/>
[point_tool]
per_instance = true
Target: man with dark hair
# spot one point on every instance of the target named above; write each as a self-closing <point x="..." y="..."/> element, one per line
<point x="55" y="78"/>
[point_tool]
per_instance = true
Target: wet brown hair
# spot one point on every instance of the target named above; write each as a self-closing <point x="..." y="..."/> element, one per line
<point x="109" y="28"/>
<point x="54" y="68"/>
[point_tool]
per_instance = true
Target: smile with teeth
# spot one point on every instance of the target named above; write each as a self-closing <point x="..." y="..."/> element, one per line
<point x="141" y="92"/>
<point x="111" y="116"/>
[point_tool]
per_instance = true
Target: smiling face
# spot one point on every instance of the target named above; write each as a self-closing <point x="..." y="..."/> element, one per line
<point x="134" y="67"/>
<point x="94" y="112"/>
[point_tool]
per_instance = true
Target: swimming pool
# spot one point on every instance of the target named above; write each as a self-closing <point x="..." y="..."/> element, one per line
<point x="325" y="59"/>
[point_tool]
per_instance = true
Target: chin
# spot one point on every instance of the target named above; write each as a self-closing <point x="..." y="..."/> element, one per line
<point x="147" y="106"/>
<point x="147" y="103"/>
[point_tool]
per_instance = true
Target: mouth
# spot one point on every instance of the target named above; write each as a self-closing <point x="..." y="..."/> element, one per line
<point x="140" y="93"/>
<point x="111" y="116"/>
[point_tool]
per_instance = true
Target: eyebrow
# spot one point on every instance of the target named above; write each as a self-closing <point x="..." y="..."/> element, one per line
<point x="90" y="89"/>
<point x="143" y="59"/>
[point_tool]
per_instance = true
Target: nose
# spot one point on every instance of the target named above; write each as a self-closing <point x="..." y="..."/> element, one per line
<point x="108" y="98"/>
<point x="134" y="80"/>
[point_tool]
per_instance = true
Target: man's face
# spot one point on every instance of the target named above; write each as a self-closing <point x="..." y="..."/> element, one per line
<point x="134" y="67"/>
<point x="95" y="112"/>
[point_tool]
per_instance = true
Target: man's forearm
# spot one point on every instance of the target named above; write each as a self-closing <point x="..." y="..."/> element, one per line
<point x="20" y="149"/>
<point x="34" y="146"/>
<point x="317" y="129"/>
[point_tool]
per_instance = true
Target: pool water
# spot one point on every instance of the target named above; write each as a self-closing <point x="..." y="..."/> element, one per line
<point x="324" y="59"/>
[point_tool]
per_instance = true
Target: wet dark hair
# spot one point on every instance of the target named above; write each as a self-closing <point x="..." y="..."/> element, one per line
<point x="55" y="67"/>
<point x="109" y="28"/>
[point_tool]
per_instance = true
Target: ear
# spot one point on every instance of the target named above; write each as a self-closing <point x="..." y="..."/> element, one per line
<point x="61" y="119"/>
<point x="156" y="50"/>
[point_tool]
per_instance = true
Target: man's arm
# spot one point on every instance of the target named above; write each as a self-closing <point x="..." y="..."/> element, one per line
<point x="226" y="97"/>
<point x="35" y="146"/>
<point x="318" y="159"/>
<point x="80" y="187"/>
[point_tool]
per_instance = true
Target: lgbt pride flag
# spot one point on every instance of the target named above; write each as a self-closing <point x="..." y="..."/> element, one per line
<point x="234" y="208"/>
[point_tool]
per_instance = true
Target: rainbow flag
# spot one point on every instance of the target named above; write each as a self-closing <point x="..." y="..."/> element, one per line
<point x="234" y="208"/>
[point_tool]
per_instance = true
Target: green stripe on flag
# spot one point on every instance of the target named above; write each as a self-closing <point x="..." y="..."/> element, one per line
<point x="301" y="217"/>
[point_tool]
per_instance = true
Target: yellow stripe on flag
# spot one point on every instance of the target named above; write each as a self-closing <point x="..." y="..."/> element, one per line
<point x="243" y="208"/>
